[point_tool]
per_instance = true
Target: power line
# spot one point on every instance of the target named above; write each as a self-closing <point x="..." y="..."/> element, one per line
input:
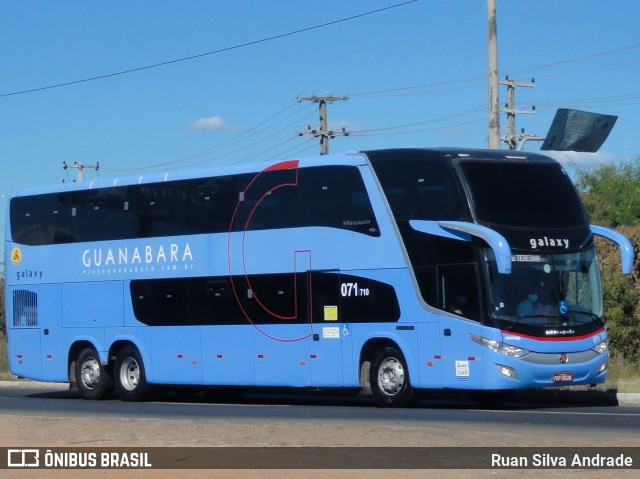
<point x="609" y="100"/>
<point x="416" y="87"/>
<point x="595" y="67"/>
<point x="484" y="77"/>
<point x="213" y="52"/>
<point x="411" y="132"/>
<point x="571" y="60"/>
<point x="267" y="150"/>
<point x="240" y="137"/>
<point x="209" y="160"/>
<point x="432" y="120"/>
<point x="432" y="92"/>
<point x="290" y="152"/>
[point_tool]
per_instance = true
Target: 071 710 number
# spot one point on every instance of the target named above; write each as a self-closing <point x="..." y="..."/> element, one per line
<point x="352" y="289"/>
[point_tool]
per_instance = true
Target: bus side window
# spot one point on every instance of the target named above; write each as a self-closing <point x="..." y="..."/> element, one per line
<point x="458" y="290"/>
<point x="336" y="197"/>
<point x="428" y="283"/>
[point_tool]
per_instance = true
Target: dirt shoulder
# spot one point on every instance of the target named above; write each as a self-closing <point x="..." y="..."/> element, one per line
<point x="33" y="430"/>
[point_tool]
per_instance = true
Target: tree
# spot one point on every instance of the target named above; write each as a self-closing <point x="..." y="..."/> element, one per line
<point x="621" y="295"/>
<point x="3" y="324"/>
<point x="611" y="193"/>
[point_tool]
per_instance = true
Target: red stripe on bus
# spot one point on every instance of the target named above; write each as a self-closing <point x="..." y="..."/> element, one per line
<point x="554" y="338"/>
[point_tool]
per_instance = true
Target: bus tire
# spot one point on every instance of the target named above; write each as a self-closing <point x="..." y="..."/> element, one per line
<point x="92" y="380"/>
<point x="129" y="374"/>
<point x="389" y="378"/>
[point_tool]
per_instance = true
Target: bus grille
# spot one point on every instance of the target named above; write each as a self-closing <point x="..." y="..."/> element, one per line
<point x="25" y="308"/>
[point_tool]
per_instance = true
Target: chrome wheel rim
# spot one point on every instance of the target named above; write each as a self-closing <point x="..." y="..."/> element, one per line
<point x="391" y="376"/>
<point x="90" y="373"/>
<point x="130" y="374"/>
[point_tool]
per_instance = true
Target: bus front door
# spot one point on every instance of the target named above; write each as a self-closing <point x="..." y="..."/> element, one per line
<point x="329" y="336"/>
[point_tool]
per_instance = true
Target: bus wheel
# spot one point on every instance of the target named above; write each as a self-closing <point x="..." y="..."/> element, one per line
<point x="389" y="378"/>
<point x="131" y="380"/>
<point x="92" y="379"/>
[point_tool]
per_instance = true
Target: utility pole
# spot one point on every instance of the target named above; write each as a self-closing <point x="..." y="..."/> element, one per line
<point x="80" y="168"/>
<point x="322" y="131"/>
<point x="494" y="99"/>
<point x="511" y="139"/>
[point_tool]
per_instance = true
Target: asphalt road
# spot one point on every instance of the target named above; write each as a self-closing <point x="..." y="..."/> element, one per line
<point x="576" y="415"/>
<point x="50" y="416"/>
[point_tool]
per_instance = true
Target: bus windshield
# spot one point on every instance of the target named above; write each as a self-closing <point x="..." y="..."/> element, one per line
<point x="546" y="291"/>
<point x="529" y="205"/>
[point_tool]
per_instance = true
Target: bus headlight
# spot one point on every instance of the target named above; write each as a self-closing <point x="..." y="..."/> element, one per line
<point x="601" y="348"/>
<point x="499" y="347"/>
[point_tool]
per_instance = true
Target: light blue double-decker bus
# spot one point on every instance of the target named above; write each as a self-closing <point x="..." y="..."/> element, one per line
<point x="391" y="271"/>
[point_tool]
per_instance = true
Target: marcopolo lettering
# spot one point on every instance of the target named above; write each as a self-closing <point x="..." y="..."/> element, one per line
<point x="171" y="253"/>
<point x="549" y="242"/>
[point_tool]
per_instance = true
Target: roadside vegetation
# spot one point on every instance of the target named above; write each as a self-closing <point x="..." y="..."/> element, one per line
<point x="4" y="365"/>
<point x="611" y="194"/>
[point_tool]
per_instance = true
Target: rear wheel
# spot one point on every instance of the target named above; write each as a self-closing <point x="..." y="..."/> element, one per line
<point x="389" y="378"/>
<point x="130" y="377"/>
<point x="92" y="379"/>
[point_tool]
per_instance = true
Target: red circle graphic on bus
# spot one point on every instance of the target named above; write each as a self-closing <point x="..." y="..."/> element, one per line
<point x="245" y="211"/>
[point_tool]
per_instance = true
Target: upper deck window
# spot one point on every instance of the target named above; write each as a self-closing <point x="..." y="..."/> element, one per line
<point x="420" y="190"/>
<point x="522" y="194"/>
<point x="329" y="196"/>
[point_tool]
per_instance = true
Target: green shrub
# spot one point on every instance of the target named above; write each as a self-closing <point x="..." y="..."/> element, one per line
<point x="611" y="195"/>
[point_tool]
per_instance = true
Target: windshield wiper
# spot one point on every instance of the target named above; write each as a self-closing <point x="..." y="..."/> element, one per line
<point x="516" y="321"/>
<point x="593" y="316"/>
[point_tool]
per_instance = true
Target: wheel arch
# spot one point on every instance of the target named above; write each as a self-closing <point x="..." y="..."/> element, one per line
<point x="367" y="353"/>
<point x="74" y="351"/>
<point x="117" y="345"/>
<point x="121" y="342"/>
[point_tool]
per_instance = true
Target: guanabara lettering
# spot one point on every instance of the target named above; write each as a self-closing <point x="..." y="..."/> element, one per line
<point x="171" y="253"/>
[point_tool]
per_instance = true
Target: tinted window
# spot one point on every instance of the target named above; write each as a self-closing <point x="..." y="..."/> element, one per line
<point x="458" y="290"/>
<point x="332" y="196"/>
<point x="524" y="194"/>
<point x="420" y="190"/>
<point x="264" y="299"/>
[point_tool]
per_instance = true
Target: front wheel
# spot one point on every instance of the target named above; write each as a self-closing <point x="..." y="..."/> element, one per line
<point x="131" y="380"/>
<point x="389" y="378"/>
<point x="92" y="379"/>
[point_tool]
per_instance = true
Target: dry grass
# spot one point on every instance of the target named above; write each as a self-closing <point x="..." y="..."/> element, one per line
<point x="4" y="360"/>
<point x="624" y="375"/>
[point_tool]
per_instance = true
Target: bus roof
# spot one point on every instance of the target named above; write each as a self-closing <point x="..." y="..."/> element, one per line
<point x="448" y="154"/>
<point x="352" y="158"/>
<point x="349" y="158"/>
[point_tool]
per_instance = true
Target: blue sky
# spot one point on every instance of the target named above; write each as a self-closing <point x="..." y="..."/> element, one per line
<point x="422" y="64"/>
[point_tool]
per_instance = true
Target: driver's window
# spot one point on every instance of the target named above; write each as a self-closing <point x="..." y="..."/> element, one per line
<point x="458" y="290"/>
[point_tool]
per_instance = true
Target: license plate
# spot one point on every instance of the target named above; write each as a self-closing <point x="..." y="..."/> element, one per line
<point x="562" y="377"/>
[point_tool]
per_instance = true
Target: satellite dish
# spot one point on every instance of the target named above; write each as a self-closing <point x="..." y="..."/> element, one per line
<point x="575" y="130"/>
